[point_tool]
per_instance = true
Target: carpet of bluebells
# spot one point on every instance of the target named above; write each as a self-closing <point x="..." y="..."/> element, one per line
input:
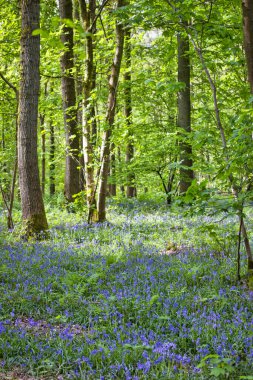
<point x="109" y="302"/>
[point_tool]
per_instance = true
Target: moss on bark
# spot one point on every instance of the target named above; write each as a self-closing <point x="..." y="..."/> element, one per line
<point x="35" y="227"/>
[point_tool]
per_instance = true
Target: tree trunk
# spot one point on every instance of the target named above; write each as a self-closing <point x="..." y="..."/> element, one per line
<point x="51" y="159"/>
<point x="122" y="188"/>
<point x="3" y="167"/>
<point x="89" y="122"/>
<point x="112" y="186"/>
<point x="71" y="186"/>
<point x="225" y="149"/>
<point x="247" y="11"/>
<point x="9" y="206"/>
<point x="43" y="153"/>
<point x="33" y="212"/>
<point x="79" y="93"/>
<point x="184" y="113"/>
<point x="111" y="107"/>
<point x="130" y="189"/>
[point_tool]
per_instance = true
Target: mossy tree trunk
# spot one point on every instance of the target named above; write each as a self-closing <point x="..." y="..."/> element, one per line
<point x="79" y="93"/>
<point x="9" y="205"/>
<point x="184" y="113"/>
<point x="43" y="152"/>
<point x="72" y="183"/>
<point x="130" y="188"/>
<point x="247" y="11"/>
<point x="113" y="180"/>
<point x="52" y="160"/>
<point x="33" y="212"/>
<point x="110" y="116"/>
<point x="88" y="16"/>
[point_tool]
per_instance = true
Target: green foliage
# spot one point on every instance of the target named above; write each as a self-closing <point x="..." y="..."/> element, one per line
<point x="79" y="202"/>
<point x="154" y="131"/>
<point x="220" y="367"/>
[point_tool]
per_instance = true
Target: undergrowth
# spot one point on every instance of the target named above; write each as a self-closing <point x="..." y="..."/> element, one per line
<point x="109" y="301"/>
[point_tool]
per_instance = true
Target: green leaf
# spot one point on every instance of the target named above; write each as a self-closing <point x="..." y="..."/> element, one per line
<point x="41" y="32"/>
<point x="95" y="276"/>
<point x="68" y="22"/>
<point x="153" y="299"/>
<point x="137" y="347"/>
<point x="217" y="371"/>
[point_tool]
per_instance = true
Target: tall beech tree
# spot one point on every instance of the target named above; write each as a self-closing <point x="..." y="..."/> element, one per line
<point x="9" y="198"/>
<point x="42" y="117"/>
<point x="184" y="112"/>
<point x="128" y="109"/>
<point x="113" y="179"/>
<point x="247" y="11"/>
<point x="52" y="158"/>
<point x="33" y="212"/>
<point x="72" y="182"/>
<point x="88" y="16"/>
<point x="79" y="91"/>
<point x="43" y="152"/>
<point x="110" y="116"/>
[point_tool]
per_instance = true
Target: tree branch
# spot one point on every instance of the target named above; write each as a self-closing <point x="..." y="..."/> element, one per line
<point x="100" y="18"/>
<point x="158" y="171"/>
<point x="83" y="8"/>
<point x="98" y="15"/>
<point x="9" y="83"/>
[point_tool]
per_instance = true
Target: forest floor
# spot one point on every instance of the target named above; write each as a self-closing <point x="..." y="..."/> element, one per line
<point x="152" y="294"/>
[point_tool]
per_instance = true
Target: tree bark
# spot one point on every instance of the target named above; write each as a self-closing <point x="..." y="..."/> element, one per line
<point x="9" y="206"/>
<point x="113" y="186"/>
<point x="122" y="188"/>
<point x="247" y="12"/>
<point x="43" y="153"/>
<point x="89" y="122"/>
<point x="33" y="212"/>
<point x="184" y="113"/>
<point x="71" y="186"/>
<point x="130" y="188"/>
<point x="110" y="115"/>
<point x="79" y="96"/>
<point x="51" y="159"/>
